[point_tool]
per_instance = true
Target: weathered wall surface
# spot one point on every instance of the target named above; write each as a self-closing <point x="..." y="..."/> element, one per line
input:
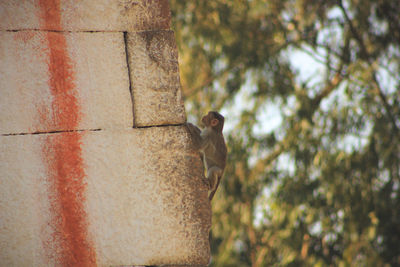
<point x="96" y="168"/>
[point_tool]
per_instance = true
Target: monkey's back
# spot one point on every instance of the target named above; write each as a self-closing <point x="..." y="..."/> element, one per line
<point x="215" y="154"/>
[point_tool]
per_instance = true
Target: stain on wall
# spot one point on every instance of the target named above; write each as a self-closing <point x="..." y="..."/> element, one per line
<point x="85" y="181"/>
<point x="62" y="153"/>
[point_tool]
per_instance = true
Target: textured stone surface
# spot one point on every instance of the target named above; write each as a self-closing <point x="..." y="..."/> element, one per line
<point x="143" y="200"/>
<point x="153" y="63"/>
<point x="96" y="72"/>
<point x="85" y="15"/>
<point x="24" y="206"/>
<point x="78" y="185"/>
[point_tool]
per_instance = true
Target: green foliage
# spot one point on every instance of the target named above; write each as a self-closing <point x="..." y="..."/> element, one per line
<point x="313" y="177"/>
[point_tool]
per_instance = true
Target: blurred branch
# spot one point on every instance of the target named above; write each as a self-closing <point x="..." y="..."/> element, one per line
<point x="288" y="140"/>
<point x="365" y="53"/>
<point x="332" y="84"/>
<point x="386" y="104"/>
<point x="315" y="103"/>
<point x="193" y="91"/>
<point x="316" y="56"/>
<point x="210" y="80"/>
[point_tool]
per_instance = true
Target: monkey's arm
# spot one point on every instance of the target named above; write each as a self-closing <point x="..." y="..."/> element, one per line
<point x="195" y="132"/>
<point x="193" y="129"/>
<point x="202" y="139"/>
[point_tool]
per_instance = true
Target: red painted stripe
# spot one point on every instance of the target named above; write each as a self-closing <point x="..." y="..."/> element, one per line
<point x="69" y="244"/>
<point x="51" y="15"/>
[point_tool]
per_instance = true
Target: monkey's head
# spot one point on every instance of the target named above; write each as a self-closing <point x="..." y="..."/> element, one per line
<point x="214" y="120"/>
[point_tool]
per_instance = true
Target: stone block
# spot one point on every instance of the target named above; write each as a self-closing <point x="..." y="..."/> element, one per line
<point x="154" y="73"/>
<point x="106" y="197"/>
<point x="84" y="15"/>
<point x="47" y="75"/>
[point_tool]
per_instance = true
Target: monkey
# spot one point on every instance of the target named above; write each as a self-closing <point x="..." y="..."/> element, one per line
<point x="211" y="144"/>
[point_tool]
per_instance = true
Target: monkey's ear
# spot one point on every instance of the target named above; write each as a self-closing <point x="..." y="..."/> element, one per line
<point x="214" y="122"/>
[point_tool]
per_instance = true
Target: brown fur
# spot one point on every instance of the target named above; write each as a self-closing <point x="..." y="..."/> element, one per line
<point x="211" y="144"/>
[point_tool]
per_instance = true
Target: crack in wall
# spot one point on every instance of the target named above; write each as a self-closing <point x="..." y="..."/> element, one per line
<point x="158" y="126"/>
<point x="128" y="65"/>
<point x="83" y="31"/>
<point x="59" y="31"/>
<point x="129" y="77"/>
<point x="52" y="132"/>
<point x="90" y="130"/>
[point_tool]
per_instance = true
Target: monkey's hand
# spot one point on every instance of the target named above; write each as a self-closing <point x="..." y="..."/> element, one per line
<point x="195" y="133"/>
<point x="194" y="130"/>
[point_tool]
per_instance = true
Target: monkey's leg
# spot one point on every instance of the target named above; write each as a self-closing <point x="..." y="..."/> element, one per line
<point x="212" y="176"/>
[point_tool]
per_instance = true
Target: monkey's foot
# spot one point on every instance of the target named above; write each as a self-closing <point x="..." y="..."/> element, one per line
<point x="207" y="183"/>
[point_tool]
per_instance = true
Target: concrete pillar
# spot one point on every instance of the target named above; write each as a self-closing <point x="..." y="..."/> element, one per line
<point x="96" y="167"/>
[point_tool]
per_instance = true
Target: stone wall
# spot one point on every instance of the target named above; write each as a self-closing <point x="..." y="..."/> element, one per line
<point x="96" y="167"/>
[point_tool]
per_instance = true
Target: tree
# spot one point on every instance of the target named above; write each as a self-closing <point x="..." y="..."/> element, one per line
<point x="319" y="183"/>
